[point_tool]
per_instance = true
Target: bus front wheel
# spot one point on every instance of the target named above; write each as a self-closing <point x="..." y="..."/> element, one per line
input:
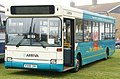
<point x="77" y="64"/>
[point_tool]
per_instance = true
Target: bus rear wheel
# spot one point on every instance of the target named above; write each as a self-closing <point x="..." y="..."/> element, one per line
<point x="107" y="53"/>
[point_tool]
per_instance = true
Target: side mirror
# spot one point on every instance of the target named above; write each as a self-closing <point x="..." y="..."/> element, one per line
<point x="4" y="23"/>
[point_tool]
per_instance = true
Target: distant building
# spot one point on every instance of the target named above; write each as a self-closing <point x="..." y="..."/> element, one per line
<point x="109" y="9"/>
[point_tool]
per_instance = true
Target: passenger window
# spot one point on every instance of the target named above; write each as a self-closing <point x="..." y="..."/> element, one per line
<point x="95" y="31"/>
<point x="101" y="31"/>
<point x="87" y="31"/>
<point x="107" y="31"/>
<point x="78" y="31"/>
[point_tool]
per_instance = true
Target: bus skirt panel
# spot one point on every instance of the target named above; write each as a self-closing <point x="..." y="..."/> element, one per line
<point x="32" y="65"/>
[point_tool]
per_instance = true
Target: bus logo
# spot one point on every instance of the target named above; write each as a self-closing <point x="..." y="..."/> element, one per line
<point x="32" y="55"/>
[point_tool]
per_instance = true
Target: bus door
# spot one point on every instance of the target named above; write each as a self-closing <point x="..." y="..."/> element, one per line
<point x="68" y="37"/>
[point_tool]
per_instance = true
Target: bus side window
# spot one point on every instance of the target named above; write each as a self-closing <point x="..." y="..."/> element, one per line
<point x="0" y="24"/>
<point x="87" y="30"/>
<point x="95" y="32"/>
<point x="78" y="30"/>
<point x="101" y="31"/>
<point x="107" y="31"/>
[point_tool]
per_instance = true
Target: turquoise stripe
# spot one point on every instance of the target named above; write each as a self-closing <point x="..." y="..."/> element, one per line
<point x="40" y="66"/>
<point x="96" y="17"/>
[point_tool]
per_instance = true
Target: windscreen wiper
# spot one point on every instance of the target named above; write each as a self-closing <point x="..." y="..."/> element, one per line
<point x="26" y="35"/>
<point x="34" y="33"/>
<point x="43" y="45"/>
<point x="17" y="45"/>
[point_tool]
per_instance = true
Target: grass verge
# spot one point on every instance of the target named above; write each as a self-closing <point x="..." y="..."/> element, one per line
<point x="103" y="69"/>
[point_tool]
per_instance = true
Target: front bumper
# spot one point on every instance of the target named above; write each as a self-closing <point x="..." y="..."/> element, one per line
<point x="40" y="66"/>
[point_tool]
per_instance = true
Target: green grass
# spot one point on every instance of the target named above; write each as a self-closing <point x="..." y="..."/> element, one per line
<point x="103" y="69"/>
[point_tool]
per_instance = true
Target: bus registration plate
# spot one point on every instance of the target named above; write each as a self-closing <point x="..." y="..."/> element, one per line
<point x="30" y="66"/>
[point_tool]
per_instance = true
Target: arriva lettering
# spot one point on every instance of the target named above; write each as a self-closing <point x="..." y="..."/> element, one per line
<point x="32" y="55"/>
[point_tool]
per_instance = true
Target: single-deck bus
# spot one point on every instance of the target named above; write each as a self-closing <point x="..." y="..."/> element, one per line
<point x="52" y="37"/>
<point x="2" y="32"/>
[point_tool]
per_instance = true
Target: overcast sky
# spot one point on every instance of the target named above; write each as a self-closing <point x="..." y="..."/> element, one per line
<point x="58" y="2"/>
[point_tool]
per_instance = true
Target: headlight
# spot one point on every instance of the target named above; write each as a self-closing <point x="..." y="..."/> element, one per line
<point x="9" y="59"/>
<point x="53" y="61"/>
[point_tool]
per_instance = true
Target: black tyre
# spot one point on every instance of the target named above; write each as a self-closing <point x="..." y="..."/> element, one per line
<point x="78" y="64"/>
<point x="107" y="54"/>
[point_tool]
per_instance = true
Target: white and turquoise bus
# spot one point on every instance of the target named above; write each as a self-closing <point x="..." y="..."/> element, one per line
<point x="50" y="37"/>
<point x="2" y="32"/>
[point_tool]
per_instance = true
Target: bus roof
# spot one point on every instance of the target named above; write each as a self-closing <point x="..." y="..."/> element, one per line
<point x="68" y="12"/>
<point x="59" y="11"/>
<point x="87" y="15"/>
